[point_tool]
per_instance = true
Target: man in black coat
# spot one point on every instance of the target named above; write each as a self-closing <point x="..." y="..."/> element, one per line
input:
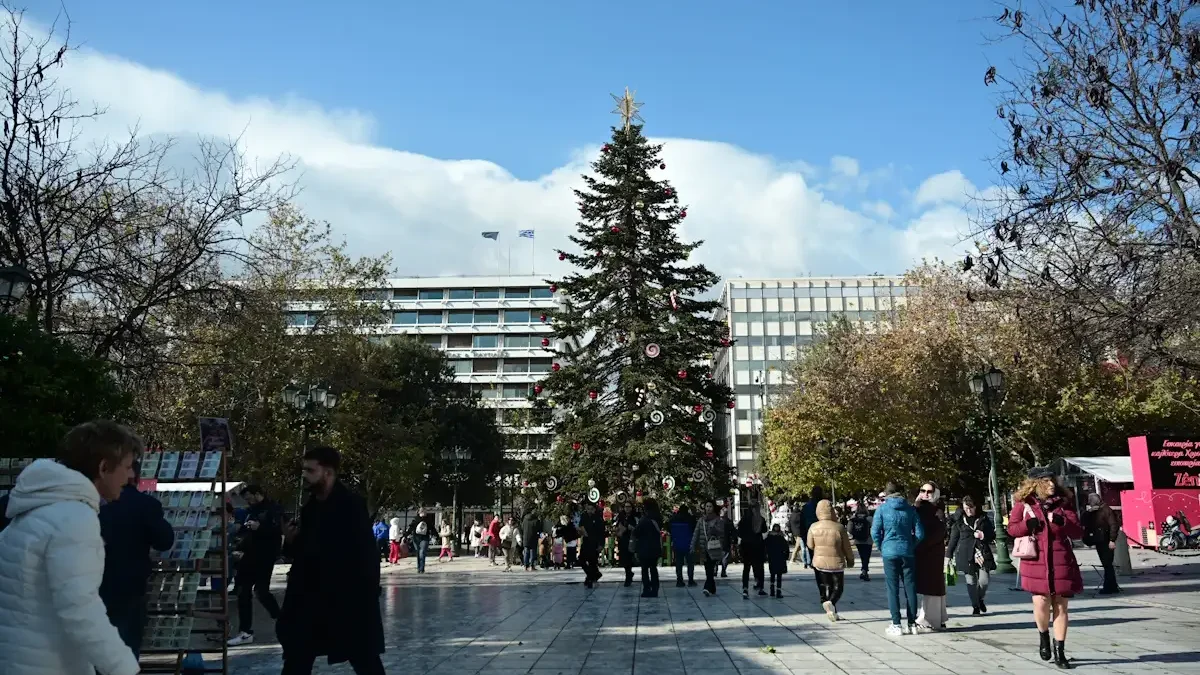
<point x="331" y="606"/>
<point x="130" y="526"/>
<point x="258" y="548"/>
<point x="592" y="524"/>
<point x="531" y="529"/>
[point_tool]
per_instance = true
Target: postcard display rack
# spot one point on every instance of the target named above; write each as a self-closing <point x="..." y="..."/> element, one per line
<point x="183" y="616"/>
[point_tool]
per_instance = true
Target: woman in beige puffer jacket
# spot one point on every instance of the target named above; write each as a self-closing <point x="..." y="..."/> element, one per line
<point x="832" y="553"/>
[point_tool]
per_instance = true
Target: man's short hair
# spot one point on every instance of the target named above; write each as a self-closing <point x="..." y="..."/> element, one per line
<point x="325" y="456"/>
<point x="90" y="443"/>
<point x="253" y="489"/>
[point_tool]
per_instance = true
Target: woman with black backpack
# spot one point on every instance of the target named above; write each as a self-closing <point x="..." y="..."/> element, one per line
<point x="860" y="533"/>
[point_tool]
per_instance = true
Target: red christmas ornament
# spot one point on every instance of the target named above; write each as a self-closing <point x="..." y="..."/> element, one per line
<point x="731" y="405"/>
<point x="555" y="367"/>
<point x="544" y="317"/>
<point x="683" y="213"/>
<point x="592" y="395"/>
<point x="638" y="493"/>
<point x="687" y="439"/>
<point x="698" y="408"/>
<point x="545" y="342"/>
<point x="559" y="499"/>
<point x="576" y="445"/>
<point x="562" y="256"/>
<point x="682" y="374"/>
<point x="605" y="148"/>
<point x="614" y="229"/>
<point x="708" y="454"/>
<point x="725" y="342"/>
<point x="669" y="192"/>
<point x="663" y="165"/>
<point x="553" y="288"/>
<point x="537" y="388"/>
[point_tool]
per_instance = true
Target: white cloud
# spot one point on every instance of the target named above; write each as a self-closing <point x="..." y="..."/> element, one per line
<point x="950" y="187"/>
<point x="759" y="216"/>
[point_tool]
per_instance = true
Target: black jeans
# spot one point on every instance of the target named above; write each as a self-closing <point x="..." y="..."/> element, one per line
<point x="752" y="562"/>
<point x="650" y="579"/>
<point x="864" y="554"/>
<point x="128" y="616"/>
<point x="831" y="585"/>
<point x="302" y="664"/>
<point x="777" y="580"/>
<point x="1106" y="559"/>
<point x="255" y="581"/>
<point x="589" y="562"/>
<point x="710" y="574"/>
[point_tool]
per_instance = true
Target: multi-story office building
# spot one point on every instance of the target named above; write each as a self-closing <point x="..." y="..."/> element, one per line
<point x="772" y="322"/>
<point x="493" y="331"/>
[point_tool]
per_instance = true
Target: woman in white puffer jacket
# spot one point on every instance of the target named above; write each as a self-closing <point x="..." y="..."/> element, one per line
<point x="52" y="621"/>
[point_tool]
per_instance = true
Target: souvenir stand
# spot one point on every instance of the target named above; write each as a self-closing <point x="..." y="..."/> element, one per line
<point x="186" y="618"/>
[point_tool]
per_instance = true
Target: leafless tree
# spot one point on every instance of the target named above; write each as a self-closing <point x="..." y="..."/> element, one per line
<point x="1095" y="219"/>
<point x="117" y="240"/>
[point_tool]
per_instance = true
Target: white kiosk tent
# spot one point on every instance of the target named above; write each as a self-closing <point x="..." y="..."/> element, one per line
<point x="1101" y="475"/>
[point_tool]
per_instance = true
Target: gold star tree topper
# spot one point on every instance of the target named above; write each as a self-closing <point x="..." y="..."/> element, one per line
<point x="627" y="108"/>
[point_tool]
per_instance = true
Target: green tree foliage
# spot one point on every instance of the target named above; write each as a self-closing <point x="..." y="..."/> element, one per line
<point x="897" y="397"/>
<point x="46" y="387"/>
<point x="633" y="291"/>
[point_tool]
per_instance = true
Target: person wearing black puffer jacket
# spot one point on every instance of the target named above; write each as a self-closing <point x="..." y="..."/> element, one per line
<point x="751" y="530"/>
<point x="648" y="546"/>
<point x="971" y="537"/>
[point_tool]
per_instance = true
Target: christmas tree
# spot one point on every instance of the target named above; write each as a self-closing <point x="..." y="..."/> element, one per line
<point x="633" y="393"/>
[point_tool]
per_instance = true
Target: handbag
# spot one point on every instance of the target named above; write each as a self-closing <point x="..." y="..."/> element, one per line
<point x="1025" y="548"/>
<point x="951" y="573"/>
<point x="712" y="545"/>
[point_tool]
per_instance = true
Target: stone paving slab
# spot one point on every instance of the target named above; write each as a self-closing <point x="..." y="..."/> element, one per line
<point x="466" y="617"/>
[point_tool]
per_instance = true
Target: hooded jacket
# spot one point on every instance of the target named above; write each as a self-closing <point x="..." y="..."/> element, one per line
<point x="52" y="621"/>
<point x="896" y="528"/>
<point x="829" y="541"/>
<point x="395" y="530"/>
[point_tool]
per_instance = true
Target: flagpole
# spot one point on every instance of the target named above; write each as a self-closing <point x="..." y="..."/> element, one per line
<point x="510" y="258"/>
<point x="533" y="255"/>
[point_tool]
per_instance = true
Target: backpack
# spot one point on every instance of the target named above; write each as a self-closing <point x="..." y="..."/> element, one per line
<point x="422" y="528"/>
<point x="860" y="529"/>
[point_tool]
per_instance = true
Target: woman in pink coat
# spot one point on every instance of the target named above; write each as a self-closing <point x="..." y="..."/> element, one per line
<point x="1044" y="510"/>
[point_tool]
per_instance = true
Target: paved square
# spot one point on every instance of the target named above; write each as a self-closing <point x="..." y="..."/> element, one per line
<point x="465" y="617"/>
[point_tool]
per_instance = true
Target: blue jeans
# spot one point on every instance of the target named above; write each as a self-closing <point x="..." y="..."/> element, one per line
<point x="530" y="557"/>
<point x="422" y="544"/>
<point x="682" y="557"/>
<point x="895" y="567"/>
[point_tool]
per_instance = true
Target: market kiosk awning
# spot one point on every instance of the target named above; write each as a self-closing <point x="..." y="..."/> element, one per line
<point x="1107" y="469"/>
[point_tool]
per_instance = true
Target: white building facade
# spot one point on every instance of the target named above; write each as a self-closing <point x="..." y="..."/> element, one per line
<point x="772" y="322"/>
<point x="496" y="333"/>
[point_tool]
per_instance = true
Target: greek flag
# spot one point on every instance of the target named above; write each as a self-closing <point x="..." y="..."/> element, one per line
<point x="528" y="234"/>
<point x="494" y="236"/>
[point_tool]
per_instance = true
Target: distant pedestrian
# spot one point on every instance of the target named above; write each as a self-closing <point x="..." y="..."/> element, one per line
<point x="752" y="531"/>
<point x="831" y="555"/>
<point x="728" y="540"/>
<point x="971" y="536"/>
<point x="626" y="521"/>
<point x="683" y="525"/>
<point x="258" y="550"/>
<point x="531" y="530"/>
<point x="592" y="529"/>
<point x="777" y="559"/>
<point x="1102" y="530"/>
<point x="798" y="530"/>
<point x="810" y="519"/>
<point x="860" y="534"/>
<point x="380" y="530"/>
<point x="708" y="542"/>
<point x="931" y="553"/>
<point x="896" y="531"/>
<point x="508" y="541"/>
<point x="648" y="547"/>
<point x="569" y="534"/>
<point x="447" y="534"/>
<point x="495" y="546"/>
<point x="1044" y="511"/>
<point x="395" y="539"/>
<point x="476" y="537"/>
<point x="420" y="531"/>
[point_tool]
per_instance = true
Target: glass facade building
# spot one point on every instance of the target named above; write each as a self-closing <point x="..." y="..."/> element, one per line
<point x="771" y="323"/>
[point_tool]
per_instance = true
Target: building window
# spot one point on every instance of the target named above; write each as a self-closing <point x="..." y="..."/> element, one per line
<point x="518" y="341"/>
<point x="434" y="341"/>
<point x="739" y="293"/>
<point x="485" y="390"/>
<point x="483" y="341"/>
<point x="404" y="318"/>
<point x="515" y="391"/>
<point x="516" y="365"/>
<point x="429" y="318"/>
<point x="487" y="317"/>
<point x="461" y="366"/>
<point x="404" y="294"/>
<point x="373" y="295"/>
<point x="541" y="293"/>
<point x="462" y="294"/>
<point x="487" y="293"/>
<point x="458" y="341"/>
<point x="486" y="365"/>
<point x="460" y="316"/>
<point x="431" y="294"/>
<point x="298" y="319"/>
<point x="516" y="293"/>
<point x="539" y="365"/>
<point x="517" y="316"/>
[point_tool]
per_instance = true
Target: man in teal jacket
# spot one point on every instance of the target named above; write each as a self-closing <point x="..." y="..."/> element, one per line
<point x="896" y="531"/>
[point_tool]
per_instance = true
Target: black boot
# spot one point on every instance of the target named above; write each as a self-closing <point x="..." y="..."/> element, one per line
<point x="1044" y="645"/>
<point x="1060" y="655"/>
<point x="679" y="582"/>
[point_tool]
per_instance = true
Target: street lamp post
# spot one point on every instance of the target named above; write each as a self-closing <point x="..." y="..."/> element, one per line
<point x="308" y="401"/>
<point x="988" y="386"/>
<point x="14" y="284"/>
<point x="456" y="457"/>
<point x="830" y="450"/>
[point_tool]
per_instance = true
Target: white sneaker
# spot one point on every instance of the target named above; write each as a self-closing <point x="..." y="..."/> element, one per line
<point x="828" y="607"/>
<point x="895" y="630"/>
<point x="917" y="629"/>
<point x="242" y="638"/>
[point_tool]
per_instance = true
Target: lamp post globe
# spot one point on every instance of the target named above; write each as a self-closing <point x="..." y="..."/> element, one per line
<point x="15" y="281"/>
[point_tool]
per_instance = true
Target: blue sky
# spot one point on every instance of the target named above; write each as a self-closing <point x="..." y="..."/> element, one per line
<point x="525" y="85"/>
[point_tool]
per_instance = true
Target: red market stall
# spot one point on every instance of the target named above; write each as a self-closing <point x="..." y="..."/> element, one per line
<point x="1166" y="480"/>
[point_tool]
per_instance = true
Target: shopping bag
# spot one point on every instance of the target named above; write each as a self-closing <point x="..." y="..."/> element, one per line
<point x="951" y="573"/>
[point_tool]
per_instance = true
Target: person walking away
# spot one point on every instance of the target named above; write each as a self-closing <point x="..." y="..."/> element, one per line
<point x="262" y="538"/>
<point x="331" y="606"/>
<point x="52" y="620"/>
<point x="931" y="554"/>
<point x="796" y="527"/>
<point x="593" y="530"/>
<point x="777" y="559"/>
<point x="1042" y="510"/>
<point x="896" y="531"/>
<point x="447" y="535"/>
<point x="708" y="542"/>
<point x="751" y="531"/>
<point x="531" y="529"/>
<point x="829" y="543"/>
<point x="1102" y="530"/>
<point x="810" y="519"/>
<point x="545" y="549"/>
<point x="728" y="540"/>
<point x="495" y="546"/>
<point x="380" y="530"/>
<point x="395" y="535"/>
<point x="626" y="521"/>
<point x="508" y="542"/>
<point x="649" y="547"/>
<point x="860" y="534"/>
<point x="477" y="537"/>
<point x="130" y="527"/>
<point x="971" y="536"/>
<point x="569" y="534"/>
<point x="683" y="528"/>
<point x="419" y="532"/>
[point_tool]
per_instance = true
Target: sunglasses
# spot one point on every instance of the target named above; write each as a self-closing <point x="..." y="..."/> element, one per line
<point x="926" y="492"/>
